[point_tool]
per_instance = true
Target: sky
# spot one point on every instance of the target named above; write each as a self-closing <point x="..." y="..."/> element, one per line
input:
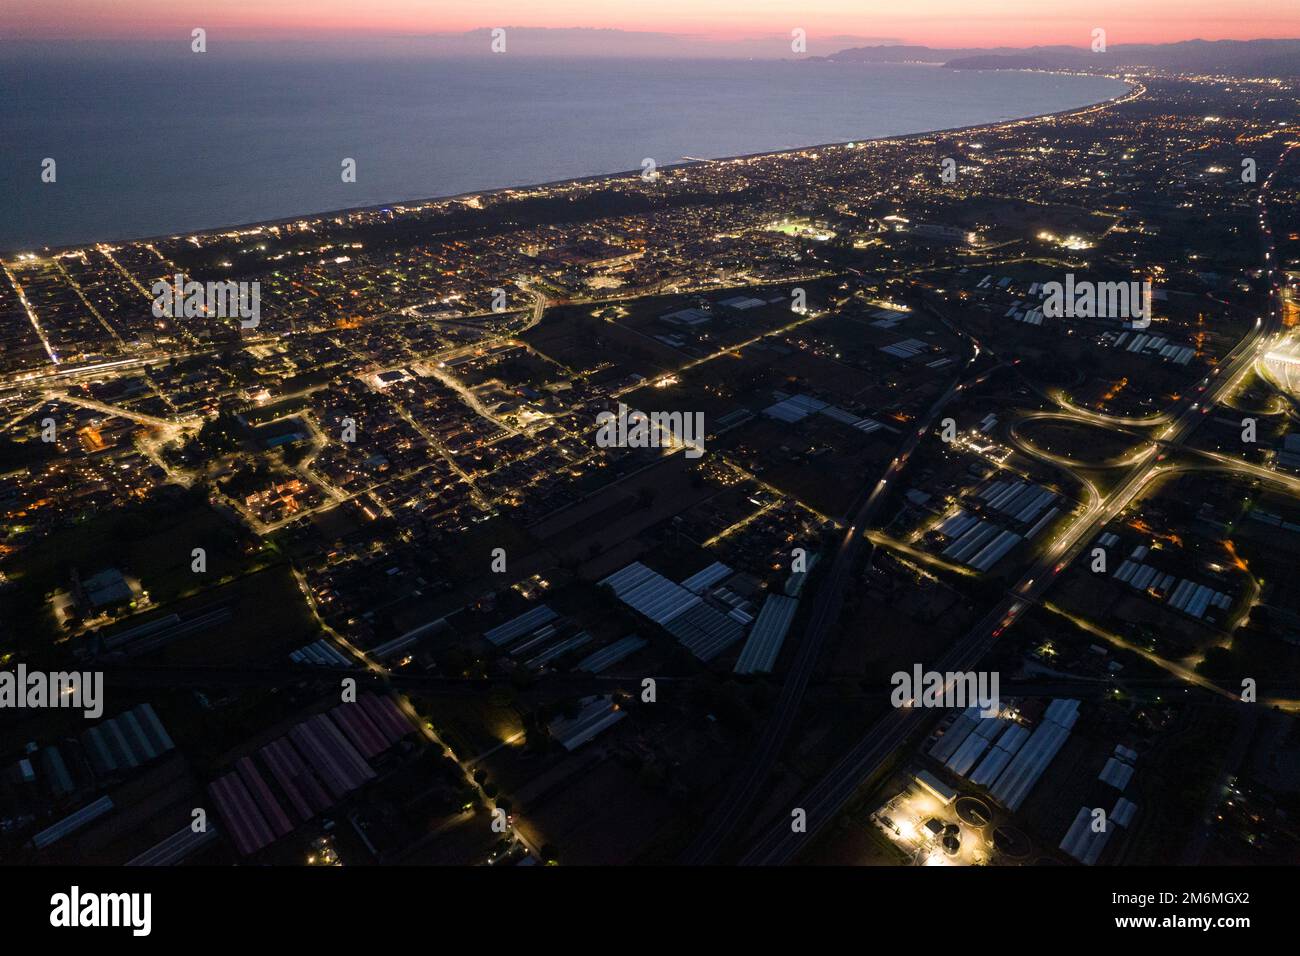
<point x="741" y="27"/>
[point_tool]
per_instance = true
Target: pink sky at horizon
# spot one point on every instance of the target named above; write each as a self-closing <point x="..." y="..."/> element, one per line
<point x="937" y="23"/>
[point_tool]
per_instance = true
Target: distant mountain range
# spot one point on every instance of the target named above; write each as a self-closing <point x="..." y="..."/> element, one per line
<point x="1235" y="57"/>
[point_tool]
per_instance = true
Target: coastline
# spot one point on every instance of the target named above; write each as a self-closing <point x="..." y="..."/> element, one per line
<point x="1133" y="90"/>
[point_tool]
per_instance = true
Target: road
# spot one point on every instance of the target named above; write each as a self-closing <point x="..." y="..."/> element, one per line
<point x="829" y="796"/>
<point x="747" y="783"/>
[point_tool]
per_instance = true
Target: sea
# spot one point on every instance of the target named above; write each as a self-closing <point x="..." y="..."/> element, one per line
<point x="147" y="144"/>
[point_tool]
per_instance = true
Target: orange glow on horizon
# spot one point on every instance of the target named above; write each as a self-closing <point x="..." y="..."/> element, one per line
<point x="830" y="24"/>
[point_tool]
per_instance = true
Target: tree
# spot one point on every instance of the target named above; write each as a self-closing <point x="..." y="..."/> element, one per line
<point x="1218" y="664"/>
<point x="219" y="435"/>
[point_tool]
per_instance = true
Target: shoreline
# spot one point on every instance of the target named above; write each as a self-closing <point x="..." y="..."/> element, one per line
<point x="1133" y="90"/>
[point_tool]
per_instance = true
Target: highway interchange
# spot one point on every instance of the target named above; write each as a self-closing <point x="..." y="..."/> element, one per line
<point x="782" y="843"/>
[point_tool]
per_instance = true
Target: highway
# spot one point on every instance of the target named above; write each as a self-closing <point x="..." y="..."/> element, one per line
<point x="829" y="796"/>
